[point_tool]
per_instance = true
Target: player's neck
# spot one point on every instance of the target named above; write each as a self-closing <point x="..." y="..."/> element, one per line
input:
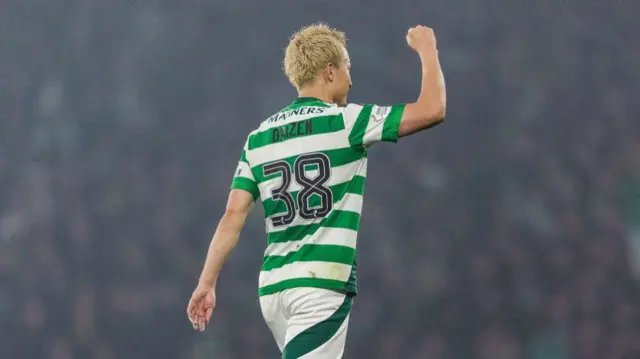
<point x="316" y="93"/>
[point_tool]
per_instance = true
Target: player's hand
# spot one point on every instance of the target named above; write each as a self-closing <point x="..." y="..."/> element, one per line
<point x="201" y="305"/>
<point x="421" y="39"/>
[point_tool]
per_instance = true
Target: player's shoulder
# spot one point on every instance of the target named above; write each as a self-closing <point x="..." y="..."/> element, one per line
<point x="353" y="109"/>
<point x="360" y="105"/>
<point x="357" y="106"/>
<point x="250" y="135"/>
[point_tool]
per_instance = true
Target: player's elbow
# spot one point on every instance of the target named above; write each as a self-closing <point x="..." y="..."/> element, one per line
<point x="437" y="113"/>
<point x="420" y="116"/>
<point x="432" y="111"/>
<point x="232" y="221"/>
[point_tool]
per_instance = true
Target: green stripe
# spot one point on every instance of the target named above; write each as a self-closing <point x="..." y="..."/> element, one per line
<point x="337" y="157"/>
<point x="243" y="157"/>
<point x="360" y="126"/>
<point x="318" y="334"/>
<point x="352" y="283"/>
<point x="303" y="282"/>
<point x="303" y="128"/>
<point x="337" y="219"/>
<point x="247" y="185"/>
<point x="355" y="186"/>
<point x="311" y="253"/>
<point x="392" y="124"/>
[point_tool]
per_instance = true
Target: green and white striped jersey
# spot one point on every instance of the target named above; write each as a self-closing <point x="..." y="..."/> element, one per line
<point x="308" y="164"/>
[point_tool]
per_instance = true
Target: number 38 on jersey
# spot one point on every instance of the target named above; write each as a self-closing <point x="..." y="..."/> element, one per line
<point x="314" y="200"/>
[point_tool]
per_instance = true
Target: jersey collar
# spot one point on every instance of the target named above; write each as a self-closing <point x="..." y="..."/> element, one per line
<point x="301" y="100"/>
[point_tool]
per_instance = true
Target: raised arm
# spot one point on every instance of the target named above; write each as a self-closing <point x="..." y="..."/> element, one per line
<point x="430" y="108"/>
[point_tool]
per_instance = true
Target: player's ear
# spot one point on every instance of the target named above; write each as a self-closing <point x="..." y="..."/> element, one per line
<point x="329" y="71"/>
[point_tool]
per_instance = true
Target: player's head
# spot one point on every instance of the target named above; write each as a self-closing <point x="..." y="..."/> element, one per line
<point x="317" y="57"/>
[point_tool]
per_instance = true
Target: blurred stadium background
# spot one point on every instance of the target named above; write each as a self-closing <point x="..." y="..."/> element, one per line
<point x="511" y="231"/>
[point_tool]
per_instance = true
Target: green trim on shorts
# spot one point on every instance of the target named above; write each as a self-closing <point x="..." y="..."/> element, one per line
<point x="318" y="334"/>
<point x="330" y="284"/>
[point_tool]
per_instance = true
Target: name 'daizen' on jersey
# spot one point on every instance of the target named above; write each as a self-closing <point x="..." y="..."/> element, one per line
<point x="290" y="130"/>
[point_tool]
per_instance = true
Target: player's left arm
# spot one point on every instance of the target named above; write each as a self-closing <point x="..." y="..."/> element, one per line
<point x="244" y="192"/>
<point x="226" y="236"/>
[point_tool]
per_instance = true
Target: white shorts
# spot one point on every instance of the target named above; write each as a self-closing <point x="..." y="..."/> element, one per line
<point x="308" y="323"/>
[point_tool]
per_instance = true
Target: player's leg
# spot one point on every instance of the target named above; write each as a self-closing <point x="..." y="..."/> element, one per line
<point x="275" y="316"/>
<point x="332" y="348"/>
<point x="318" y="323"/>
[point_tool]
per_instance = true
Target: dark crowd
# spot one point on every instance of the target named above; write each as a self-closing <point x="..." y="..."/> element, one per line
<point x="511" y="231"/>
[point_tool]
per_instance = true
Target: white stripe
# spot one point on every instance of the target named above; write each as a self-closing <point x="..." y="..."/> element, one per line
<point x="244" y="170"/>
<point x="350" y="202"/>
<point x="351" y="112"/>
<point x="321" y="270"/>
<point x="373" y="133"/>
<point x="325" y="236"/>
<point x="296" y="146"/>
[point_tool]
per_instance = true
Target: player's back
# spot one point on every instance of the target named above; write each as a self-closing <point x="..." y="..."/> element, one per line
<point x="308" y="164"/>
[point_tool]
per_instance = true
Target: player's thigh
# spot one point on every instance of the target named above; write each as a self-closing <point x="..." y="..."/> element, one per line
<point x="317" y="324"/>
<point x="275" y="317"/>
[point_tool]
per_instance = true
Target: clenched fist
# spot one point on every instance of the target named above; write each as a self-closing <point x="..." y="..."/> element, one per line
<point x="421" y="39"/>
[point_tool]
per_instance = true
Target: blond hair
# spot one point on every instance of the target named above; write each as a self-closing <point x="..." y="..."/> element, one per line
<point x="310" y="50"/>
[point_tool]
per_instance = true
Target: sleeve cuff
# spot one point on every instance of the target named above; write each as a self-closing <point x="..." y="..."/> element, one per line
<point x="246" y="185"/>
<point x="392" y="124"/>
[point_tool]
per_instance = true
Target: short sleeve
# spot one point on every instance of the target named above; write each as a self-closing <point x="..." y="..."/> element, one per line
<point x="243" y="178"/>
<point x="370" y="124"/>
